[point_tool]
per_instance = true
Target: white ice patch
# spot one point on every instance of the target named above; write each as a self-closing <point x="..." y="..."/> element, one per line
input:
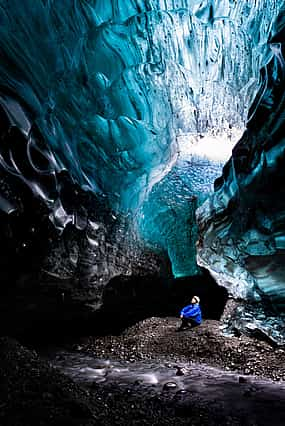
<point x="211" y="147"/>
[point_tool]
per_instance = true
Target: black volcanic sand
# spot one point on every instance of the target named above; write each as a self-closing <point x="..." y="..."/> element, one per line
<point x="158" y="339"/>
<point x="160" y="377"/>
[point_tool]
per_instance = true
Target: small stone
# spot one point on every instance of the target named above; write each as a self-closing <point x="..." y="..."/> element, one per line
<point x="181" y="392"/>
<point x="179" y="372"/>
<point x="169" y="385"/>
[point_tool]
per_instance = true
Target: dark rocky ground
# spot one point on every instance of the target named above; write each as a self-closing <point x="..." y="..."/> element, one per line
<point x="32" y="392"/>
<point x="158" y="338"/>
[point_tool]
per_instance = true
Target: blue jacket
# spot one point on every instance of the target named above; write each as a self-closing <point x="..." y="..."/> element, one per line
<point x="192" y="311"/>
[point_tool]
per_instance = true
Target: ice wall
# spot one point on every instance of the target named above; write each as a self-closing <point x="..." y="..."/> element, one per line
<point x="241" y="225"/>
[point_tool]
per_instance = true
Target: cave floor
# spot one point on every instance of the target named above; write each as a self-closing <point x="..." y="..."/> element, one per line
<point x="178" y="391"/>
<point x="148" y="375"/>
<point x="166" y="376"/>
<point x="158" y="338"/>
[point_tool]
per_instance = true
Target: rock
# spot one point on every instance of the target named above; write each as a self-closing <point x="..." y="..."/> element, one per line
<point x="179" y="372"/>
<point x="169" y="386"/>
<point x="181" y="392"/>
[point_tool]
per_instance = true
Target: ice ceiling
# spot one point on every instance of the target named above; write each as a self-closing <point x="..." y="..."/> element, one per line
<point x="110" y="84"/>
<point x="141" y="102"/>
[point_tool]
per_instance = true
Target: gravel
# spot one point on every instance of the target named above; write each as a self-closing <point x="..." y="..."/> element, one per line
<point x="32" y="392"/>
<point x="158" y="338"/>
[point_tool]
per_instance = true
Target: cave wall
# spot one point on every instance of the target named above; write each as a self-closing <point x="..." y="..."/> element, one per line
<point x="60" y="245"/>
<point x="242" y="228"/>
<point x="92" y="95"/>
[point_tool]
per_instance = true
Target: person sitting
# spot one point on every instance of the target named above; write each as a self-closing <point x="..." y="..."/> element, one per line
<point x="191" y="315"/>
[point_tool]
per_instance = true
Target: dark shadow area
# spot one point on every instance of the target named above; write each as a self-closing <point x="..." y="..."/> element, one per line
<point x="126" y="301"/>
<point x="131" y="299"/>
<point x="213" y="297"/>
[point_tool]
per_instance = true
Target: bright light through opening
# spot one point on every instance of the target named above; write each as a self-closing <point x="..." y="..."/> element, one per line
<point x="211" y="147"/>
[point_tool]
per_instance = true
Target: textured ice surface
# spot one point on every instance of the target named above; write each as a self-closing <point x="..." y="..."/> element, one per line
<point x="110" y="83"/>
<point x="241" y="225"/>
<point x="167" y="218"/>
<point x="103" y="89"/>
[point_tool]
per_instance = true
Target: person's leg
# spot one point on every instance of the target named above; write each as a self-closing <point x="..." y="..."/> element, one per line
<point x="184" y="323"/>
<point x="192" y="323"/>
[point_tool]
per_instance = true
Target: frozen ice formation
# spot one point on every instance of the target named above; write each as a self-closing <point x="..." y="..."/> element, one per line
<point x="95" y="97"/>
<point x="242" y="228"/>
<point x="109" y="84"/>
<point x="166" y="220"/>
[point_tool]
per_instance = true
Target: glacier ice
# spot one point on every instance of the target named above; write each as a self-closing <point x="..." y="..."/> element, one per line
<point x="166" y="220"/>
<point x="110" y="83"/>
<point x="96" y="97"/>
<point x="242" y="223"/>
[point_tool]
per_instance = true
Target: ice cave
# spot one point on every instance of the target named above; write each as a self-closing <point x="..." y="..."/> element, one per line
<point x="141" y="145"/>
